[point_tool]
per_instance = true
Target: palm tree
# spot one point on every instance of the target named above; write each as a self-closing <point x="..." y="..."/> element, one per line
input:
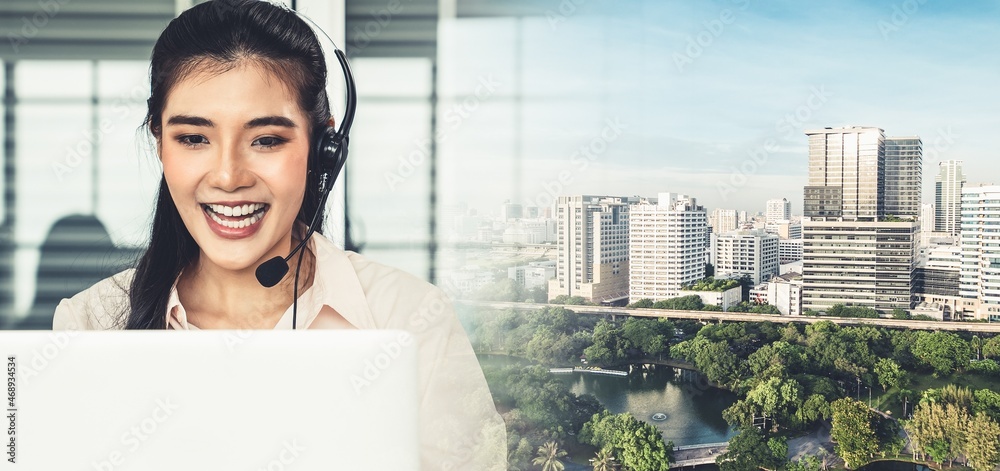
<point x="977" y="345"/>
<point x="548" y="457"/>
<point x="603" y="461"/>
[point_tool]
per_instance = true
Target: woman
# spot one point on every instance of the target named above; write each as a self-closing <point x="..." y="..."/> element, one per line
<point x="237" y="100"/>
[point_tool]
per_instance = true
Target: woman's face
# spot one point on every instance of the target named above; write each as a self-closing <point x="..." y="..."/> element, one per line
<point x="234" y="148"/>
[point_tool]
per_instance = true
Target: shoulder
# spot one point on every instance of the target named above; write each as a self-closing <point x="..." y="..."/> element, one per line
<point x="96" y="308"/>
<point x="396" y="298"/>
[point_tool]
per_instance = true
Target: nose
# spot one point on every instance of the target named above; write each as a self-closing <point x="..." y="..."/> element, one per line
<point x="230" y="172"/>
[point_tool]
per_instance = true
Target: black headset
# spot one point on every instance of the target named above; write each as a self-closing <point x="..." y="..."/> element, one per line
<point x="330" y="155"/>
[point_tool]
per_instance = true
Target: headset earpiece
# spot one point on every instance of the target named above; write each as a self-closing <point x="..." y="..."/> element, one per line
<point x="331" y="154"/>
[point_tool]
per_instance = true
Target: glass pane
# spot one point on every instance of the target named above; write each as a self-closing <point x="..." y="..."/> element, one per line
<point x="382" y="78"/>
<point x="388" y="167"/>
<point x="129" y="172"/>
<point x="123" y="80"/>
<point x="54" y="167"/>
<point x="54" y="79"/>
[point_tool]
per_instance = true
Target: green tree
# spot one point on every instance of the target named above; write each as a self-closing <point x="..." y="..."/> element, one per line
<point x="852" y="431"/>
<point x="637" y="444"/>
<point x="938" y="451"/>
<point x="991" y="348"/>
<point x="815" y="408"/>
<point x="983" y="446"/>
<point x="900" y="314"/>
<point x="943" y="351"/>
<point x="548" y="457"/>
<point x="648" y="337"/>
<point x="888" y="372"/>
<point x="777" y="398"/>
<point x="603" y="460"/>
<point x="642" y="304"/>
<point x="751" y="450"/>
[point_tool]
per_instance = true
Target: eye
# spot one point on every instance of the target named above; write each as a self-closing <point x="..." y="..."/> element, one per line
<point x="269" y="142"/>
<point x="192" y="140"/>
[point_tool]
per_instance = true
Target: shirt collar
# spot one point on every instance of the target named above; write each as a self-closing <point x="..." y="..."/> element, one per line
<point x="335" y="284"/>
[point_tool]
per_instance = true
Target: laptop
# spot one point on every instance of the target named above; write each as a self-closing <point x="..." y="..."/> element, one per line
<point x="209" y="400"/>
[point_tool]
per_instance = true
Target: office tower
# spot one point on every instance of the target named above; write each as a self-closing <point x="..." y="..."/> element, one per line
<point x="752" y="253"/>
<point x="666" y="246"/>
<point x="948" y="197"/>
<point x="904" y="162"/>
<point x="860" y="263"/>
<point x="980" y="275"/>
<point x="850" y="254"/>
<point x="927" y="217"/>
<point x="724" y="220"/>
<point x="778" y="210"/>
<point x="511" y="211"/>
<point x="591" y="248"/>
<point x="846" y="174"/>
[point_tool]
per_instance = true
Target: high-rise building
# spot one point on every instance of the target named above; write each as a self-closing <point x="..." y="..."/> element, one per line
<point x="851" y="254"/>
<point x="948" y="197"/>
<point x="592" y="247"/>
<point x="666" y="246"/>
<point x="858" y="263"/>
<point x="724" y="220"/>
<point x="778" y="210"/>
<point x="751" y="253"/>
<point x="980" y="275"/>
<point x="927" y="217"/>
<point x="846" y="174"/>
<point x="904" y="163"/>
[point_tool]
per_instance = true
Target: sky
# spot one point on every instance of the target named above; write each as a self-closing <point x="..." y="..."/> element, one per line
<point x="709" y="99"/>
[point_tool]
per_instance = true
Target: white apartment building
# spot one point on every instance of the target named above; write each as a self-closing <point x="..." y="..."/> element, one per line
<point x="785" y="229"/>
<point x="752" y="253"/>
<point x="724" y="220"/>
<point x="666" y="246"/>
<point x="778" y="210"/>
<point x="789" y="250"/>
<point x="592" y="255"/>
<point x="980" y="241"/>
<point x="783" y="292"/>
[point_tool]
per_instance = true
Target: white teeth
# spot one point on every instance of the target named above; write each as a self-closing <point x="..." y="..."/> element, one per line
<point x="248" y="221"/>
<point x="236" y="211"/>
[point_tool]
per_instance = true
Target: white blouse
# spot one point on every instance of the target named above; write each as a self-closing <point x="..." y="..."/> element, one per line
<point x="459" y="425"/>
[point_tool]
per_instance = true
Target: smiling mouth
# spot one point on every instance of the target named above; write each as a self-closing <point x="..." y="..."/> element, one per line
<point x="236" y="217"/>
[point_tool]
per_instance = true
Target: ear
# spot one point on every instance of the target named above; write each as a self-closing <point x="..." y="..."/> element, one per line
<point x="331" y="123"/>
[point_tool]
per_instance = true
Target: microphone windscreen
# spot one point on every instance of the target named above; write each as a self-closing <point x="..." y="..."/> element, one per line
<point x="272" y="271"/>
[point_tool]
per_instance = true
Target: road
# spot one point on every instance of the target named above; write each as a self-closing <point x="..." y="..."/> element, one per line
<point x="744" y="317"/>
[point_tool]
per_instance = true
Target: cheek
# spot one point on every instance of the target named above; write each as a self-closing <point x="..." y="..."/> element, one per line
<point x="182" y="177"/>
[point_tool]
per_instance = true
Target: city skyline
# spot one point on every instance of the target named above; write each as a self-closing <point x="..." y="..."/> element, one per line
<point x="688" y="124"/>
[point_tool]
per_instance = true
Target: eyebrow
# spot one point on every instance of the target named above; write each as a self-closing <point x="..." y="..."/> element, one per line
<point x="253" y="123"/>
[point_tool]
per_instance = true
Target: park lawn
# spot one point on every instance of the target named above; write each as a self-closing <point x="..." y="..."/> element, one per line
<point x="919" y="382"/>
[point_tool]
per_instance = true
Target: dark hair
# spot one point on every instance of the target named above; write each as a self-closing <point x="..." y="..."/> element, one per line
<point x="218" y="36"/>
